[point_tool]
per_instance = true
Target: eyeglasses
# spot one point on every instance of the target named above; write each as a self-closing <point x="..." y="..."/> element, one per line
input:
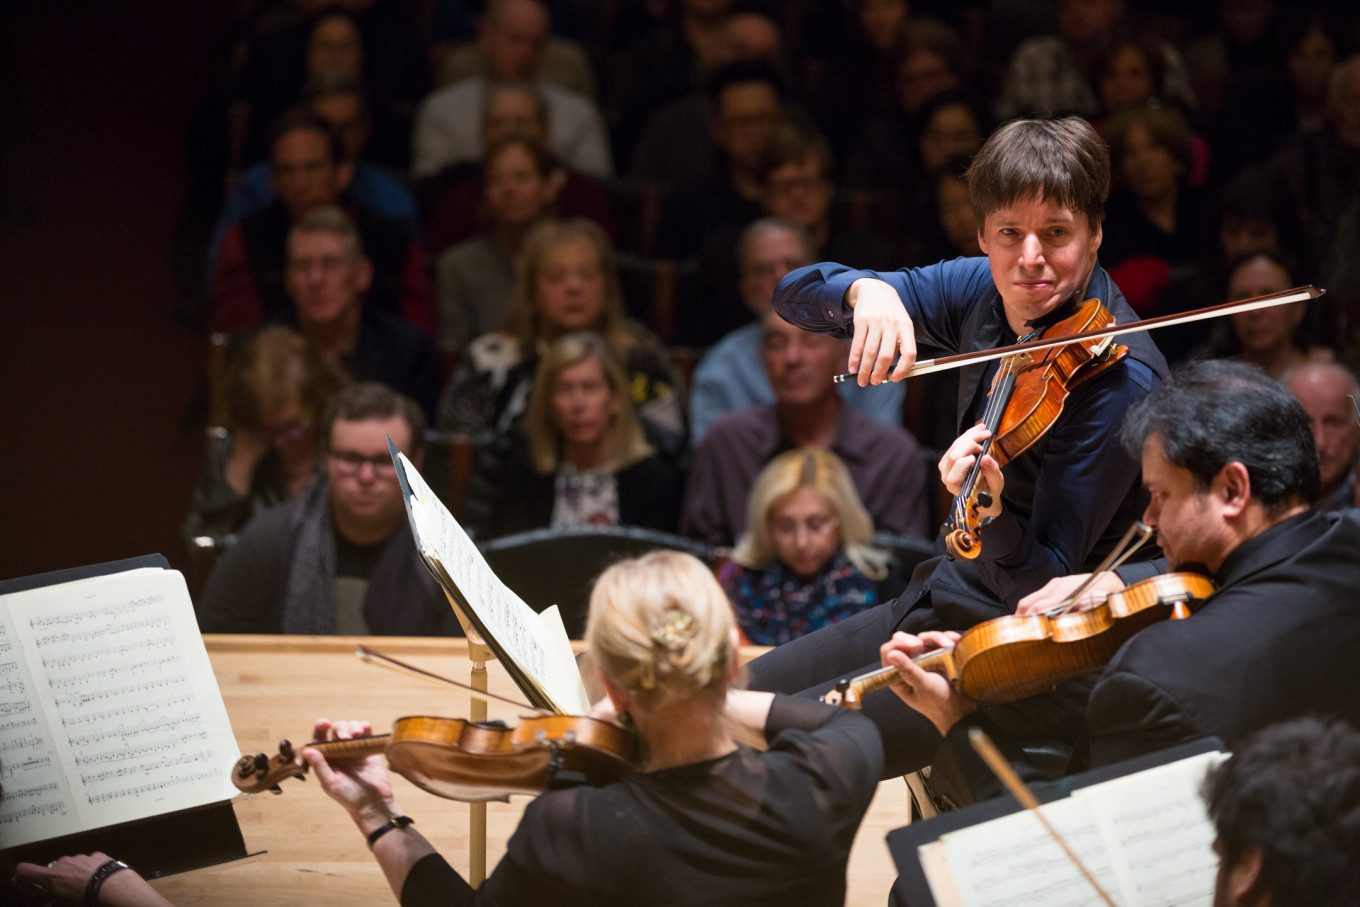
<point x="814" y="526"/>
<point x="351" y="463"/>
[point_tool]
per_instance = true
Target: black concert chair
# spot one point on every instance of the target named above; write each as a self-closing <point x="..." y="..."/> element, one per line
<point x="559" y="566"/>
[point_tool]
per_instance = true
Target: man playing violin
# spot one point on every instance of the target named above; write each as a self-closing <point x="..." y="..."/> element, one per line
<point x="1038" y="189"/>
<point x="1229" y="460"/>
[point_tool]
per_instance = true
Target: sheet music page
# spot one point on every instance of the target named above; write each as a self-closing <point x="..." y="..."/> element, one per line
<point x="1013" y="860"/>
<point x="1163" y="830"/>
<point x="127" y="720"/>
<point x="566" y="676"/>
<point x="508" y="620"/>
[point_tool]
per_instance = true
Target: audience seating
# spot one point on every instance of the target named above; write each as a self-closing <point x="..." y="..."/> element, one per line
<point x="558" y="566"/>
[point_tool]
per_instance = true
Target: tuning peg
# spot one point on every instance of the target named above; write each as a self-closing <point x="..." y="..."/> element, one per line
<point x="261" y="763"/>
<point x="984" y="499"/>
<point x="286" y="750"/>
<point x="276" y="789"/>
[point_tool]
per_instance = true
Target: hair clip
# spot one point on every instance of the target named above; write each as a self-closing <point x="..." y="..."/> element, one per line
<point x="674" y="632"/>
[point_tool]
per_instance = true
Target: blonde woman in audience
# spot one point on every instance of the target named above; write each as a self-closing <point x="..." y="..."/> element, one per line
<point x="805" y="560"/>
<point x="705" y="820"/>
<point x="587" y="461"/>
<point x="474" y="279"/>
<point x="276" y="387"/>
<point x="566" y="283"/>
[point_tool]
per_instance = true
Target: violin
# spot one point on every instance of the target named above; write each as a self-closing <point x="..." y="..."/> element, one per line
<point x="472" y="761"/>
<point x="1025" y="399"/>
<point x="1014" y="657"/>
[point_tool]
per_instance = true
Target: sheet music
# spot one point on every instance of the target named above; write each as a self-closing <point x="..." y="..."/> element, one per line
<point x="1146" y="837"/>
<point x="1162" y="828"/>
<point x="114" y="713"/>
<point x="1014" y="861"/>
<point x="538" y="644"/>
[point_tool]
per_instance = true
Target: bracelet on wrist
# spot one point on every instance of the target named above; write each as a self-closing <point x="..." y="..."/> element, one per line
<point x="389" y="825"/>
<point x="106" y="869"/>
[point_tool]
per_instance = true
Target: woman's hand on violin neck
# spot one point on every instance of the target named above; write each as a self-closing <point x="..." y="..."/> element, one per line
<point x="959" y="458"/>
<point x="1059" y="589"/>
<point x="929" y="693"/>
<point x="362" y="786"/>
<point x="882" y="328"/>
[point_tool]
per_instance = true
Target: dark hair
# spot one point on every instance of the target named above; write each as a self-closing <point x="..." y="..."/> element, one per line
<point x="1139" y="39"/>
<point x="740" y="72"/>
<point x="332" y="83"/>
<point x="1059" y="160"/>
<point x="1279" y="258"/>
<point x="1293" y="791"/>
<point x="1256" y="195"/>
<point x="297" y="119"/>
<point x="1216" y="412"/>
<point x="371" y="400"/>
<point x="793" y="145"/>
<point x="1166" y="126"/>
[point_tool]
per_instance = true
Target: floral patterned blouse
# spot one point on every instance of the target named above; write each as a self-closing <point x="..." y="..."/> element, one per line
<point x="775" y="605"/>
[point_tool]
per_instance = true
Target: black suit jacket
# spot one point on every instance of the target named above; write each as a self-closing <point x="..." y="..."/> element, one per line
<point x="1279" y="639"/>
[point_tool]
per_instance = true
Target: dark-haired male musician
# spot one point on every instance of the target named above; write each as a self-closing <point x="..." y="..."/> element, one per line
<point x="1038" y="188"/>
<point x="1229" y="460"/>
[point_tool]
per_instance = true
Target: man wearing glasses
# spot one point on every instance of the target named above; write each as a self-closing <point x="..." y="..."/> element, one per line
<point x="339" y="557"/>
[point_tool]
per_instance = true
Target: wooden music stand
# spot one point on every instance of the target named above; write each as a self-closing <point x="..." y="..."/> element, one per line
<point x="479" y="653"/>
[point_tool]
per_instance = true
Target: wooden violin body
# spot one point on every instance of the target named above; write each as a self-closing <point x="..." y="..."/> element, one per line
<point x="473" y="761"/>
<point x="1026" y="398"/>
<point x="1013" y="657"/>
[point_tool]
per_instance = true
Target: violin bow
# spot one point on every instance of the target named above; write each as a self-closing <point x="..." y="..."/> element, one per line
<point x="956" y="360"/>
<point x="1002" y="769"/>
<point x="1122" y="552"/>
<point x="375" y="657"/>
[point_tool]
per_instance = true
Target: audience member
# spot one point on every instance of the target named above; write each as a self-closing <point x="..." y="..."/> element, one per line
<point x="561" y="61"/>
<point x="1322" y="169"/>
<point x="1157" y="223"/>
<point x="667" y="60"/>
<point x="328" y="272"/>
<point x="339" y="98"/>
<point x="1311" y="52"/>
<point x="511" y="111"/>
<point x="889" y="470"/>
<point x="1286" y="808"/>
<point x="309" y="170"/>
<point x="377" y="43"/>
<point x="747" y="107"/>
<point x="474" y="279"/>
<point x="1324" y="389"/>
<point x="930" y="62"/>
<point x="1047" y="74"/>
<point x="861" y="80"/>
<point x="511" y="34"/>
<point x="566" y="283"/>
<point x="1274" y="339"/>
<point x="275" y="390"/>
<point x="805" y="559"/>
<point x="338" y="558"/>
<point x="797" y="187"/>
<point x="587" y="461"/>
<point x="731" y="376"/>
<point x="677" y="143"/>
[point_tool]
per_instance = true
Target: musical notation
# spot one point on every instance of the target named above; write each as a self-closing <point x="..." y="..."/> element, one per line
<point x="82" y="637"/>
<point x="152" y="788"/>
<point x="111" y="683"/>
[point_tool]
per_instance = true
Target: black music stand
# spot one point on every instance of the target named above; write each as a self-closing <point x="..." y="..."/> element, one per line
<point x="155" y="846"/>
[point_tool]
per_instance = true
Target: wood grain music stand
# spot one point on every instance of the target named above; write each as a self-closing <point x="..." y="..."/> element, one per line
<point x="479" y="653"/>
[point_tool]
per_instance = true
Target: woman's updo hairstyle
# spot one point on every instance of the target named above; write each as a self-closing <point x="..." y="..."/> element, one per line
<point x="661" y="627"/>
